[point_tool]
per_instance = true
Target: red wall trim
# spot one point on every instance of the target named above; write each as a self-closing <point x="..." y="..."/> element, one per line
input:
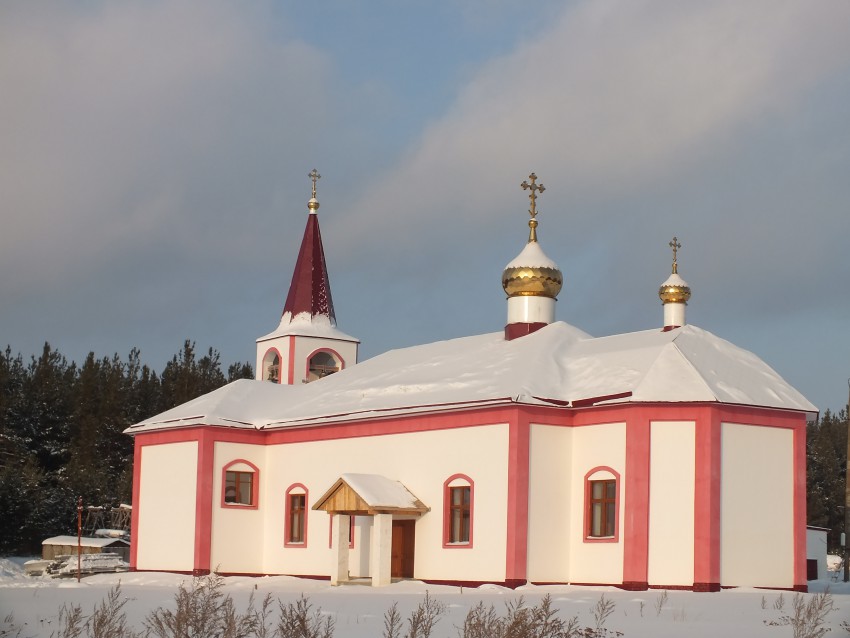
<point x="290" y="374"/>
<point x="516" y="330"/>
<point x="707" y="470"/>
<point x="380" y="427"/>
<point x="587" y="518"/>
<point x="516" y="556"/>
<point x="636" y="525"/>
<point x="447" y="512"/>
<point x="137" y="492"/>
<point x="800" y="577"/>
<point x="255" y="487"/>
<point x="203" y="502"/>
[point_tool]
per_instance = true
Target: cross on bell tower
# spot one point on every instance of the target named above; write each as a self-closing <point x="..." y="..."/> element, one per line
<point x="313" y="204"/>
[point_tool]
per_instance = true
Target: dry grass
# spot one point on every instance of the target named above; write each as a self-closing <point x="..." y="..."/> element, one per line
<point x="809" y="617"/>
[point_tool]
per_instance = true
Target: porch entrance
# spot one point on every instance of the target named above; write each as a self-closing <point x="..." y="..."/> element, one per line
<point x="391" y="548"/>
<point x="403" y="545"/>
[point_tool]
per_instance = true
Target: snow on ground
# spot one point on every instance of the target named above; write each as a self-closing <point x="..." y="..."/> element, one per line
<point x="358" y="609"/>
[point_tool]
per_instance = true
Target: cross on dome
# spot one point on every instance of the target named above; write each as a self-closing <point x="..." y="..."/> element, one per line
<point x="314" y="175"/>
<point x="675" y="245"/>
<point x="535" y="189"/>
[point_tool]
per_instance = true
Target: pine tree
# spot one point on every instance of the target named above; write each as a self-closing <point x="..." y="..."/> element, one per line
<point x="45" y="421"/>
<point x="826" y="447"/>
<point x="240" y="371"/>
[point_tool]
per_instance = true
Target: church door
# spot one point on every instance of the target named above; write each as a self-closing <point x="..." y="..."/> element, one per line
<point x="404" y="536"/>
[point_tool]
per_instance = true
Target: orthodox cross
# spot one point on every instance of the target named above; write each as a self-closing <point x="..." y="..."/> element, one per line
<point x="535" y="189"/>
<point x="675" y="245"/>
<point x="314" y="175"/>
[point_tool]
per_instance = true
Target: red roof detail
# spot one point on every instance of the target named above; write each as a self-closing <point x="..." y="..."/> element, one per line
<point x="310" y="290"/>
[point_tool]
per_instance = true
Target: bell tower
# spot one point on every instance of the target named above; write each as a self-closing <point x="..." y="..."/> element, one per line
<point x="306" y="345"/>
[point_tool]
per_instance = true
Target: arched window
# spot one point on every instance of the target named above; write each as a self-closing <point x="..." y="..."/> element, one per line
<point x="458" y="505"/>
<point x="271" y="366"/>
<point x="323" y="363"/>
<point x="602" y="505"/>
<point x="240" y="485"/>
<point x="295" y="534"/>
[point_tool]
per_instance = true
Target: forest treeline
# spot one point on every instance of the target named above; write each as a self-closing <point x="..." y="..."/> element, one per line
<point x="61" y="436"/>
<point x="826" y="473"/>
<point x="61" y="431"/>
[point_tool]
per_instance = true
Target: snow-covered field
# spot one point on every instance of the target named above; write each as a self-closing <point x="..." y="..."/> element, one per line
<point x="33" y="604"/>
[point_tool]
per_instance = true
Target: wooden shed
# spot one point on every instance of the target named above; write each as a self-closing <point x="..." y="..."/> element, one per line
<point x="67" y="545"/>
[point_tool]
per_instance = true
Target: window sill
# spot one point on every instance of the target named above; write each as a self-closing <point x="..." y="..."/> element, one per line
<point x="601" y="539"/>
<point x="238" y="506"/>
<point x="459" y="545"/>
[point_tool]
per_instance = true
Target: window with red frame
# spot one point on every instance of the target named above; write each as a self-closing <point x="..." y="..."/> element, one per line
<point x="459" y="513"/>
<point x="297" y="517"/>
<point x="602" y="504"/>
<point x="238" y="488"/>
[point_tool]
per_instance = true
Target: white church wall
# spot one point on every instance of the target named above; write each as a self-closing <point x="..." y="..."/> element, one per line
<point x="671" y="503"/>
<point x="593" y="446"/>
<point x="422" y="461"/>
<point x="756" y="506"/>
<point x="167" y="493"/>
<point x="549" y="508"/>
<point x="237" y="532"/>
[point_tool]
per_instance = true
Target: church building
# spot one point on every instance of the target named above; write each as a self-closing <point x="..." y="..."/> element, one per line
<point x="666" y="457"/>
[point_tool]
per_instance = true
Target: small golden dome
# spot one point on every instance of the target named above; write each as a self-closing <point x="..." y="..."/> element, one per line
<point x="674" y="290"/>
<point x="532" y="274"/>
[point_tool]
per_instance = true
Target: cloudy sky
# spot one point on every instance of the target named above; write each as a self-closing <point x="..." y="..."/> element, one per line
<point x="154" y="159"/>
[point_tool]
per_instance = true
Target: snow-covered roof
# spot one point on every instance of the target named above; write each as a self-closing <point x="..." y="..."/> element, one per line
<point x="306" y="325"/>
<point x="557" y="365"/>
<point x="380" y="491"/>
<point x="85" y="541"/>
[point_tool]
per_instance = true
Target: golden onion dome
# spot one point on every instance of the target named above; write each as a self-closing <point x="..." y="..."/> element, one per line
<point x="532" y="274"/>
<point x="675" y="289"/>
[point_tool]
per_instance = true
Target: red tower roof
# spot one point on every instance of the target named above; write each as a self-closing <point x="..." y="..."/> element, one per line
<point x="310" y="290"/>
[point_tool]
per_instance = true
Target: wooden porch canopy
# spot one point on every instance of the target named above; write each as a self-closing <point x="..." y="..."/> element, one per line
<point x="368" y="495"/>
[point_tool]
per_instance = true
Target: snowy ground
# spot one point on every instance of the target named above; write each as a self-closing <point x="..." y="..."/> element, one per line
<point x="358" y="610"/>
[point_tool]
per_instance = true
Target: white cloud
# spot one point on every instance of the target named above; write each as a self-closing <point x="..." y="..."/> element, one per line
<point x="136" y="122"/>
<point x="618" y="96"/>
